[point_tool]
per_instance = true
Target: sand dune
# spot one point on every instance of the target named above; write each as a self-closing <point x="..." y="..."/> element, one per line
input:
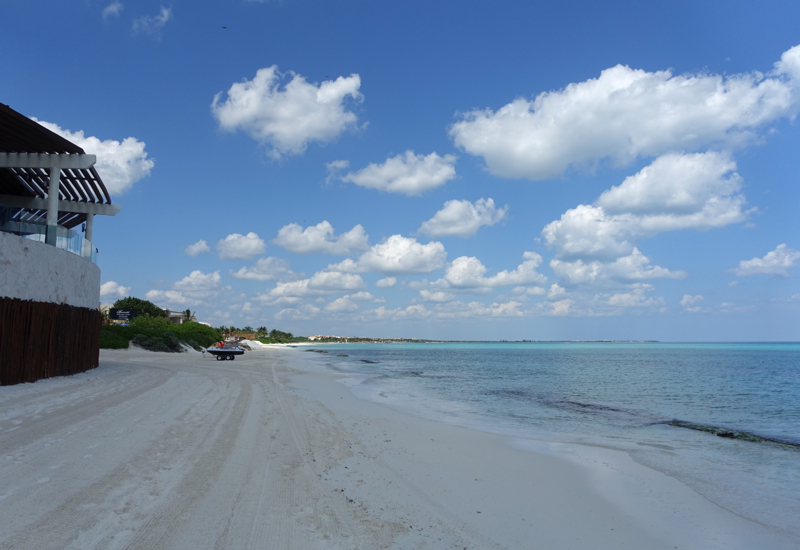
<point x="158" y="451"/>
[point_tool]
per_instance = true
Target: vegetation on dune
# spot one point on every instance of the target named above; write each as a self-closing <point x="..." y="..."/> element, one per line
<point x="142" y="307"/>
<point x="263" y="335"/>
<point x="158" y="334"/>
<point x="279" y="337"/>
<point x="152" y="330"/>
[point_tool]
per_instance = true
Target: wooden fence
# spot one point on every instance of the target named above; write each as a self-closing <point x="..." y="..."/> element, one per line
<point x="39" y="340"/>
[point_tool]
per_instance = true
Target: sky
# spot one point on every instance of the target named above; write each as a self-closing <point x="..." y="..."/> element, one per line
<point x="448" y="170"/>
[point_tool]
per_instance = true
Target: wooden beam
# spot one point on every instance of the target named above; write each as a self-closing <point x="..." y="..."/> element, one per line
<point x="46" y="160"/>
<point x="63" y="206"/>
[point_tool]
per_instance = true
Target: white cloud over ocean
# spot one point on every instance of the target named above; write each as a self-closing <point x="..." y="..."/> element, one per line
<point x="625" y="114"/>
<point x="397" y="255"/>
<point x="598" y="242"/>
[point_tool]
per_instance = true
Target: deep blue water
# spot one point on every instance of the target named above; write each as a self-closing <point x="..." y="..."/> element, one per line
<point x="622" y="395"/>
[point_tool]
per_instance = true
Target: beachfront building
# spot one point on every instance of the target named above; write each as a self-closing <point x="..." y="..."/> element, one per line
<point x="49" y="280"/>
<point x="179" y="317"/>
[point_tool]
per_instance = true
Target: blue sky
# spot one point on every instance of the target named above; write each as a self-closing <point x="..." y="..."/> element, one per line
<point x="463" y="170"/>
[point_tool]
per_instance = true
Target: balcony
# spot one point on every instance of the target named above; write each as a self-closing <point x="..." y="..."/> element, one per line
<point x="36" y="230"/>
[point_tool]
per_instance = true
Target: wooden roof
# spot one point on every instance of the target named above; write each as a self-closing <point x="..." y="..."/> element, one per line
<point x="20" y="134"/>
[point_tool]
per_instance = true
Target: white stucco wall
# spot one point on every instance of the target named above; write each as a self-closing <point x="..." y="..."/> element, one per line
<point x="31" y="270"/>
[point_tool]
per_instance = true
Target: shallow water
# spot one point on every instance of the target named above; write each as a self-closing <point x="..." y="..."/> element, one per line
<point x="624" y="396"/>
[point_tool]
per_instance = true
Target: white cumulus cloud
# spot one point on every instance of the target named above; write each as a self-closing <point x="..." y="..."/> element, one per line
<point x="303" y="313"/>
<point x="322" y="282"/>
<point x="152" y="24"/>
<point x="633" y="267"/>
<point x="320" y="239"/>
<point x="386" y="282"/>
<point x="113" y="9"/>
<point x="776" y="262"/>
<point x="241" y="247"/>
<point x="695" y="191"/>
<point x="689" y="302"/>
<point x="625" y="114"/>
<point x="636" y="297"/>
<point x="431" y="296"/>
<point x="120" y="164"/>
<point x="463" y="218"/>
<point x="415" y="311"/>
<point x="112" y="288"/>
<point x="200" y="247"/>
<point x="468" y="273"/>
<point x="265" y="269"/>
<point x="286" y="119"/>
<point x="194" y="289"/>
<point x="409" y="174"/>
<point x="350" y="302"/>
<point x="454" y="310"/>
<point x="341" y="304"/>
<point x="397" y="255"/>
<point x="561" y="307"/>
<point x="198" y="282"/>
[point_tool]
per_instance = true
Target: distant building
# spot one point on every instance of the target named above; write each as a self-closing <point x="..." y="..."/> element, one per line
<point x="178" y="317"/>
<point x="49" y="284"/>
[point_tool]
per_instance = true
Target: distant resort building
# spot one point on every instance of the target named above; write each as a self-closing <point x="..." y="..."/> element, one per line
<point x="178" y="317"/>
<point x="49" y="281"/>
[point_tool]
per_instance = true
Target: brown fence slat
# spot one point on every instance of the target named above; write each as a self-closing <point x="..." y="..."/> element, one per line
<point x="39" y="340"/>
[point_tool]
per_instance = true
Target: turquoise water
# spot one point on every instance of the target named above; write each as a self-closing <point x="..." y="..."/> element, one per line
<point x="617" y="395"/>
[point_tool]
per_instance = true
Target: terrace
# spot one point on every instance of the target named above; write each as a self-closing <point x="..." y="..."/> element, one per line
<point x="48" y="186"/>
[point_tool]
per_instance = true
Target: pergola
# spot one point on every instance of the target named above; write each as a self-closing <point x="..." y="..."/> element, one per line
<point x="46" y="176"/>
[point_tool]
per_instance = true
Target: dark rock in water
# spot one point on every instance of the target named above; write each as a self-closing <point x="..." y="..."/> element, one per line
<point x="735" y="434"/>
<point x="320" y="351"/>
<point x="342" y="355"/>
<point x="368" y="361"/>
<point x="309" y="349"/>
<point x="416" y="372"/>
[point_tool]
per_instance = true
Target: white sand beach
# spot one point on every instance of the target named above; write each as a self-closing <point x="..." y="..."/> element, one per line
<point x="158" y="451"/>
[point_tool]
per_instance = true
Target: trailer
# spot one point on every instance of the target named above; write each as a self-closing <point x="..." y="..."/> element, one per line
<point x="225" y="353"/>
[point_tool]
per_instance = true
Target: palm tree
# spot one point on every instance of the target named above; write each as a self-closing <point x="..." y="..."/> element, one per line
<point x="188" y="316"/>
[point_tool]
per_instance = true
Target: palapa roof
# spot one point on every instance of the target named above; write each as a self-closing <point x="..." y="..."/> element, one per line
<point x="20" y="134"/>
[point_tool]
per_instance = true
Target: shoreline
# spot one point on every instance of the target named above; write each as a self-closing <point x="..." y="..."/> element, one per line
<point x="179" y="451"/>
<point x="670" y="513"/>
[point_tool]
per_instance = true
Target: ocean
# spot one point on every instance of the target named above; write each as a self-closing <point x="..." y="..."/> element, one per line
<point x="722" y="418"/>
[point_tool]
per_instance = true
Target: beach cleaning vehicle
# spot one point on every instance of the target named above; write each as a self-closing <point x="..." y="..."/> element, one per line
<point x="228" y="352"/>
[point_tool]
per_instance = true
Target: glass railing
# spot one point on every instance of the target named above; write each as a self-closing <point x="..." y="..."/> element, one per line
<point x="36" y="230"/>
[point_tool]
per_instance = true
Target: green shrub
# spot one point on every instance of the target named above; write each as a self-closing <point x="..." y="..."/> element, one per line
<point x="111" y="340"/>
<point x="144" y="323"/>
<point x="157" y="343"/>
<point x="203" y="335"/>
<point x="157" y="334"/>
<point x="139" y="340"/>
<point x="142" y="307"/>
